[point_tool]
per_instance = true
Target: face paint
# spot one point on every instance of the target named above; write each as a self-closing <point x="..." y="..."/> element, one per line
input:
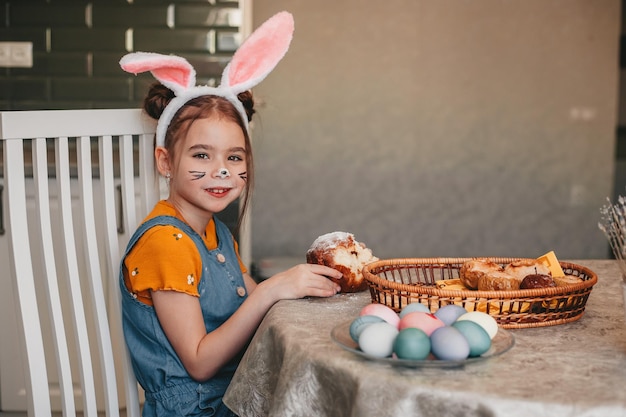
<point x="243" y="175"/>
<point x="223" y="173"/>
<point x="197" y="174"/>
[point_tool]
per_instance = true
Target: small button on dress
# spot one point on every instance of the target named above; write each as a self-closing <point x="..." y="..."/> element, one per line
<point x="221" y="258"/>
<point x="241" y="291"/>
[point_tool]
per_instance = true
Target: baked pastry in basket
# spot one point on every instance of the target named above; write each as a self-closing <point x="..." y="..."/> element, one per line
<point x="472" y="271"/>
<point x="341" y="251"/>
<point x="524" y="267"/>
<point x="567" y="280"/>
<point x="486" y="275"/>
<point x="499" y="281"/>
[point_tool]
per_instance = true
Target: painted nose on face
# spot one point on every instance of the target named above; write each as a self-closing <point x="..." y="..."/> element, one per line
<point x="222" y="173"/>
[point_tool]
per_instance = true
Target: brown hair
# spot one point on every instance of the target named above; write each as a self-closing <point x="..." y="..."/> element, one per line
<point x="202" y="107"/>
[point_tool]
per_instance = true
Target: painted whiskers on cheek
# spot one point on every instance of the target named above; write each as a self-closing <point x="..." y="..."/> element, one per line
<point x="243" y="176"/>
<point x="197" y="174"/>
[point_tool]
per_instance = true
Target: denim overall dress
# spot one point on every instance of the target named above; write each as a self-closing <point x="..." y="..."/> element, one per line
<point x="170" y="391"/>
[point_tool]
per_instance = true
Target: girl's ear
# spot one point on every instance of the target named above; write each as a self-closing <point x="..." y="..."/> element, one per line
<point x="162" y="158"/>
<point x="260" y="53"/>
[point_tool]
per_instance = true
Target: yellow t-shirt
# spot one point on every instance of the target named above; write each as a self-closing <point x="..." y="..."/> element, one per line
<point x="164" y="258"/>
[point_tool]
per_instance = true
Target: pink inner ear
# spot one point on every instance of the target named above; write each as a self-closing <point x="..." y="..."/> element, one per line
<point x="260" y="53"/>
<point x="170" y="69"/>
<point x="175" y="75"/>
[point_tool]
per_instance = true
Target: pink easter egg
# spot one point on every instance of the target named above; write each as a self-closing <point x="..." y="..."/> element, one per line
<point x="426" y="322"/>
<point x="382" y="311"/>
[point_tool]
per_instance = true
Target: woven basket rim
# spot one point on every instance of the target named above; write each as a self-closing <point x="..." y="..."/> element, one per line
<point x="493" y="295"/>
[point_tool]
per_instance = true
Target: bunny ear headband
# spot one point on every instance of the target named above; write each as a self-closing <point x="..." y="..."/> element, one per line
<point x="250" y="64"/>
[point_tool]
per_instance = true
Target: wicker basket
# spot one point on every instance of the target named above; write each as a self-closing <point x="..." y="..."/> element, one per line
<point x="398" y="282"/>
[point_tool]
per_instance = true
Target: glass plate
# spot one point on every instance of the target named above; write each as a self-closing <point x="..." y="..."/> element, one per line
<point x="502" y="342"/>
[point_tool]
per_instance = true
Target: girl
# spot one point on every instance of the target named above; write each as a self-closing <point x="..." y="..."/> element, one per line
<point x="189" y="306"/>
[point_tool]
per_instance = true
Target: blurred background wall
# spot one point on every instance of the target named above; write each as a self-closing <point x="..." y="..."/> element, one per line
<point x="440" y="128"/>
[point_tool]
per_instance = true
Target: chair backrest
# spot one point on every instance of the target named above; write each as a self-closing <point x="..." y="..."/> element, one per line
<point x="76" y="182"/>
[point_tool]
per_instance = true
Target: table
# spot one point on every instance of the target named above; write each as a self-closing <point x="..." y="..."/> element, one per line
<point x="293" y="368"/>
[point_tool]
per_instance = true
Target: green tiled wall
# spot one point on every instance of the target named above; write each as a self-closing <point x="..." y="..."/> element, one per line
<point x="77" y="45"/>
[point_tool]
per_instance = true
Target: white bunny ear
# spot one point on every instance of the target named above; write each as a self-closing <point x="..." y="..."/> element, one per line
<point x="259" y="54"/>
<point x="172" y="71"/>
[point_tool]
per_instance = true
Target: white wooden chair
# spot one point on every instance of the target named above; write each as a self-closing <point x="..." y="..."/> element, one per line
<point x="65" y="249"/>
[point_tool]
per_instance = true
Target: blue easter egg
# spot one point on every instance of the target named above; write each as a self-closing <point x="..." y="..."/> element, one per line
<point x="477" y="337"/>
<point x="360" y="323"/>
<point x="413" y="307"/>
<point x="449" y="313"/>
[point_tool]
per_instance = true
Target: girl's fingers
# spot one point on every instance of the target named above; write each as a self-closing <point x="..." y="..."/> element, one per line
<point x="325" y="284"/>
<point x="325" y="270"/>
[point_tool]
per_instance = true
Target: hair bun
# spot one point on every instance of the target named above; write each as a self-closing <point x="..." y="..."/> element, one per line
<point x="157" y="99"/>
<point x="247" y="100"/>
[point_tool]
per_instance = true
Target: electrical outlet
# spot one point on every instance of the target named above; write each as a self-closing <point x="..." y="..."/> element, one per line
<point x="16" y="54"/>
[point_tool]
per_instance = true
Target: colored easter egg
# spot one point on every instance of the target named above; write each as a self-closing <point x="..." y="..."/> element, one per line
<point x="412" y="343"/>
<point x="413" y="307"/>
<point x="426" y="322"/>
<point x="485" y="320"/>
<point x="477" y="337"/>
<point x="382" y="311"/>
<point x="377" y="339"/>
<point x="360" y="323"/>
<point x="448" y="343"/>
<point x="450" y="313"/>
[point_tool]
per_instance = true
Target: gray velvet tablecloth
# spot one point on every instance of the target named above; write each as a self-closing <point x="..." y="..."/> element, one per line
<point x="293" y="368"/>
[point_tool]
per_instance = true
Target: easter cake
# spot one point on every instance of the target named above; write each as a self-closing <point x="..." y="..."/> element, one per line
<point x="341" y="251"/>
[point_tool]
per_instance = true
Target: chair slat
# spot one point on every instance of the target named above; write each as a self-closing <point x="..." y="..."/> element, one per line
<point x="147" y="173"/>
<point x="96" y="290"/>
<point x="42" y="205"/>
<point x="127" y="181"/>
<point x="109" y="213"/>
<point x="105" y="152"/>
<point x="73" y="277"/>
<point x="24" y="287"/>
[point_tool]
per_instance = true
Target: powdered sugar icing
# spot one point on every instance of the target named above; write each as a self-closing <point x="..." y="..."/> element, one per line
<point x="331" y="240"/>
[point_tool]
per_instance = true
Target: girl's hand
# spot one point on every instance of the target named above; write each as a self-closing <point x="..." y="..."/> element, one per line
<point x="301" y="281"/>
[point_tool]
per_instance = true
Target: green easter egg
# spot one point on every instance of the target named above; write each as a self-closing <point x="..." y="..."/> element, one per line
<point x="412" y="343"/>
